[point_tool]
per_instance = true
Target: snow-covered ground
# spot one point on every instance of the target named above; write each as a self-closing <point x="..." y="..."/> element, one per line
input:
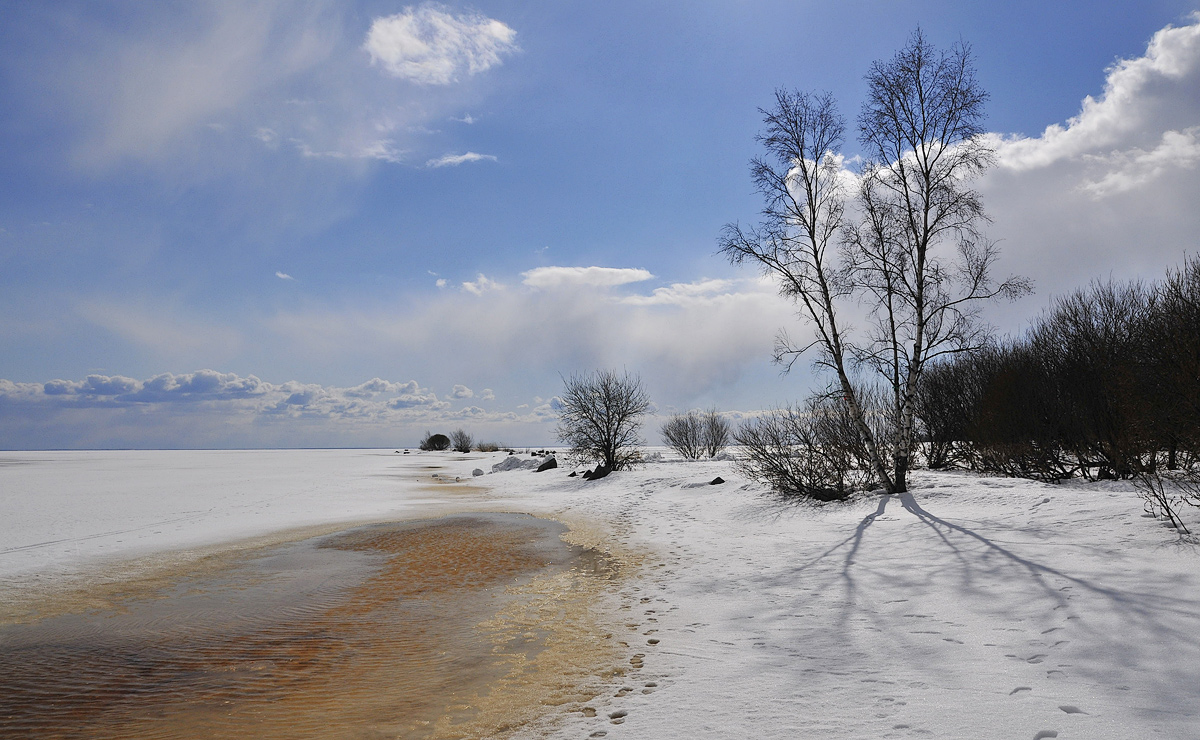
<point x="972" y="608"/>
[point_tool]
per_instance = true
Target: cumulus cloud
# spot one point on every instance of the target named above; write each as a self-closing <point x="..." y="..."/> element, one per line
<point x="563" y="277"/>
<point x="1111" y="191"/>
<point x="685" y="294"/>
<point x="375" y="398"/>
<point x="284" y="276"/>
<point x="431" y="46"/>
<point x="487" y="395"/>
<point x="207" y="408"/>
<point x="1136" y="167"/>
<point x="481" y="284"/>
<point x="453" y="160"/>
<point x="1141" y="97"/>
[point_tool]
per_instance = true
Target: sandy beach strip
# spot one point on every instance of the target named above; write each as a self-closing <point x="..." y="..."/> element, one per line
<point x="461" y="626"/>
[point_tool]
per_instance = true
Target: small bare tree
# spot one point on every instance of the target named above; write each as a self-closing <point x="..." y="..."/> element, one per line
<point x="461" y="441"/>
<point x="684" y="433"/>
<point x="717" y="432"/>
<point x="600" y="417"/>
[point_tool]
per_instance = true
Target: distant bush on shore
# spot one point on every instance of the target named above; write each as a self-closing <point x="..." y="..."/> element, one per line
<point x="696" y="434"/>
<point x="461" y="441"/>
<point x="434" y="442"/>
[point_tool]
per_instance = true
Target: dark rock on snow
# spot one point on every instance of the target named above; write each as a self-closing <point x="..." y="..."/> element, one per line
<point x="549" y="464"/>
<point x="597" y="474"/>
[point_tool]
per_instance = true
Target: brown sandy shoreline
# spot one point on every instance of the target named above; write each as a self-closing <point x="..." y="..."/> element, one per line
<point x="517" y="605"/>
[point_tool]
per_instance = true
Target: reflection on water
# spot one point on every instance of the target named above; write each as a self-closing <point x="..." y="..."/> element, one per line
<point x="374" y="632"/>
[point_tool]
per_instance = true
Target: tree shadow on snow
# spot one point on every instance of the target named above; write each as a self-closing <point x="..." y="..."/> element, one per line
<point x="997" y="583"/>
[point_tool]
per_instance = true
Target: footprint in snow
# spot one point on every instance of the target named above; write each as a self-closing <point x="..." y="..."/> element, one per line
<point x="1045" y="734"/>
<point x="618" y="717"/>
<point x="1022" y="690"/>
<point x="1070" y="709"/>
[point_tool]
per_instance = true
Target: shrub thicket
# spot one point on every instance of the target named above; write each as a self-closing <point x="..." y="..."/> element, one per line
<point x="697" y="434"/>
<point x="1104" y="385"/>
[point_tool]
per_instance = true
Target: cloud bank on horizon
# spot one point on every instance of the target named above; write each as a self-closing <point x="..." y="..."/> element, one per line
<point x="1110" y="191"/>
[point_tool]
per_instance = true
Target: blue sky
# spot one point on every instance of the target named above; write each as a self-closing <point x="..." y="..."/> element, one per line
<point x="340" y="223"/>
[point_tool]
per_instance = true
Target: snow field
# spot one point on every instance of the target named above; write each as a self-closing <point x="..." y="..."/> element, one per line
<point x="972" y="608"/>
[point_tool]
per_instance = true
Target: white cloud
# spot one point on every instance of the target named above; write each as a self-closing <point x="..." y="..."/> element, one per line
<point x="1140" y="95"/>
<point x="1137" y="167"/>
<point x="685" y="294"/>
<point x="178" y="73"/>
<point x="198" y="91"/>
<point x="453" y="160"/>
<point x="487" y="395"/>
<point x="431" y="46"/>
<point x="283" y="276"/>
<point x="563" y="277"/>
<point x="481" y="285"/>
<point x="440" y="282"/>
<point x="461" y="391"/>
<point x="467" y="119"/>
<point x="207" y="408"/>
<point x="384" y="150"/>
<point x="1110" y="193"/>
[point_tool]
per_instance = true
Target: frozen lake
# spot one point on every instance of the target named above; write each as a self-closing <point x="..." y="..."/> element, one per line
<point x="60" y="511"/>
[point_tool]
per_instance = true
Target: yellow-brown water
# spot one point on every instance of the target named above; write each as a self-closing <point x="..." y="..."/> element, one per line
<point x="457" y="627"/>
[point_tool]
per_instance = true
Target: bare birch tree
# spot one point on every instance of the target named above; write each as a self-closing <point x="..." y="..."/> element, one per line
<point x="914" y="255"/>
<point x="917" y="255"/>
<point x="802" y="182"/>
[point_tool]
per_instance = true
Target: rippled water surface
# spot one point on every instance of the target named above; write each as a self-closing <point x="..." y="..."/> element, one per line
<point x="373" y="632"/>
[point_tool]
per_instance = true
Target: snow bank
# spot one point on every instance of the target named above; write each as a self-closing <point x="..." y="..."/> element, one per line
<point x="515" y="462"/>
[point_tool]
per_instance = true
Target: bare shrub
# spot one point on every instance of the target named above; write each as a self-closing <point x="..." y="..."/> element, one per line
<point x="461" y="441"/>
<point x="1164" y="495"/>
<point x="717" y="432"/>
<point x="600" y="417"/>
<point x="810" y="452"/>
<point x="487" y="447"/>
<point x="684" y="433"/>
<point x="434" y="442"/>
